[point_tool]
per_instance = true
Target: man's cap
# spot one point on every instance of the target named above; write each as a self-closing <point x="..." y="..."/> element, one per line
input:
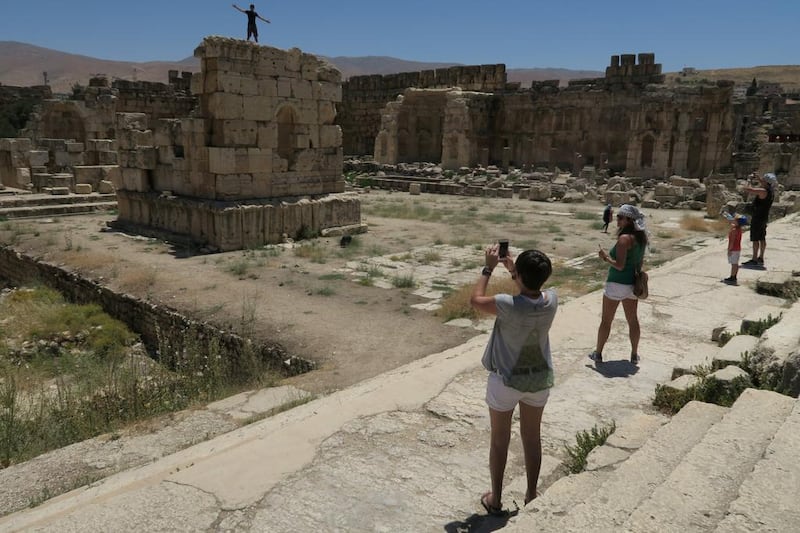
<point x="742" y="220"/>
<point x="771" y="178"/>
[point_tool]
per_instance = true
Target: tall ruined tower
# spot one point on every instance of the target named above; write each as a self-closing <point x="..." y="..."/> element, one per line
<point x="261" y="159"/>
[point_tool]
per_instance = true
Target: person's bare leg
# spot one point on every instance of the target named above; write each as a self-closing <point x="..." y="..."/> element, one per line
<point x="498" y="452"/>
<point x="762" y="247"/>
<point x="631" y="307"/>
<point x="530" y="423"/>
<point x="755" y="250"/>
<point x="609" y="310"/>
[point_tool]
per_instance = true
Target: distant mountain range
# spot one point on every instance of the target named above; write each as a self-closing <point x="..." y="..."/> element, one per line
<point x="24" y="65"/>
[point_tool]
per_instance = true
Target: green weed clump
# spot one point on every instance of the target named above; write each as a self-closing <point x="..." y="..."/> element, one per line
<point x="755" y="329"/>
<point x="586" y="441"/>
<point x="707" y="389"/>
<point x="405" y="281"/>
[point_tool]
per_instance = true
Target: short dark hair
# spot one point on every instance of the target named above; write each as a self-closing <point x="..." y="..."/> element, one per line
<point x="533" y="268"/>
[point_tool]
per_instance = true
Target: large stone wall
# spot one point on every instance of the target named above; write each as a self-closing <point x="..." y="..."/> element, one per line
<point x="365" y="96"/>
<point x="626" y="122"/>
<point x="90" y="112"/>
<point x="262" y="160"/>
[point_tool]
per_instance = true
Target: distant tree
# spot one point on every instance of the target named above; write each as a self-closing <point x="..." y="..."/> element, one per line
<point x="753" y="89"/>
<point x="14" y="116"/>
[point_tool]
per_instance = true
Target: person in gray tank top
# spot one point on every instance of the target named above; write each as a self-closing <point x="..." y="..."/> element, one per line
<point x="518" y="359"/>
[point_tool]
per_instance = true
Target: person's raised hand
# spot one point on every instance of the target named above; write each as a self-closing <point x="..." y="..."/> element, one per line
<point x="492" y="256"/>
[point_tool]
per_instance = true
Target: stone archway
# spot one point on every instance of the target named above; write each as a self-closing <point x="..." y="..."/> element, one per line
<point x="286" y="118"/>
<point x="425" y="147"/>
<point x="648" y="144"/>
<point x="403" y="147"/>
<point x="693" y="158"/>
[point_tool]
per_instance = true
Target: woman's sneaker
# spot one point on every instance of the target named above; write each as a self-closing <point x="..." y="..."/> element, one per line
<point x="596" y="356"/>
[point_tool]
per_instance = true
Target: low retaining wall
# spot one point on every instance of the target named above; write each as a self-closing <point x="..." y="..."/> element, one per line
<point x="227" y="226"/>
<point x="152" y="322"/>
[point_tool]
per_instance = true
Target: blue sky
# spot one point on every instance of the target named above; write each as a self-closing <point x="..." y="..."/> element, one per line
<point x="574" y="34"/>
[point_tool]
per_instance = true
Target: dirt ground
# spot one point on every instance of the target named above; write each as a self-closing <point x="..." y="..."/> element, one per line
<point x="341" y="307"/>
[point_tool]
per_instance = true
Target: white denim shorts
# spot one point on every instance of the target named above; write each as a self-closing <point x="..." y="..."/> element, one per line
<point x="503" y="398"/>
<point x="733" y="257"/>
<point x="618" y="291"/>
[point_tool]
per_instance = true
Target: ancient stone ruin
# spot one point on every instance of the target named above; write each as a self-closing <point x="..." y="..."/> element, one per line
<point x="258" y="135"/>
<point x="259" y="162"/>
<point x="628" y="122"/>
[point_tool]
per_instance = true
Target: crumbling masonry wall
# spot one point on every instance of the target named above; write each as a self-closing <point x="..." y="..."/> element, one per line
<point x="263" y="158"/>
<point x="627" y="121"/>
<point x="365" y="96"/>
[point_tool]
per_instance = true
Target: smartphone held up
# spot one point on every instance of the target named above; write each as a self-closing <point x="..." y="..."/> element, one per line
<point x="503" y="248"/>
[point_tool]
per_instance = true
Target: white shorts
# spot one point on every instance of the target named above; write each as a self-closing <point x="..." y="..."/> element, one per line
<point x="503" y="398"/>
<point x="618" y="291"/>
<point x="733" y="257"/>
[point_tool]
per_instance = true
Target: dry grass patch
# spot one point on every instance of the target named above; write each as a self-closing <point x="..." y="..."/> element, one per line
<point x="85" y="262"/>
<point x="456" y="304"/>
<point x="139" y="281"/>
<point x="692" y="223"/>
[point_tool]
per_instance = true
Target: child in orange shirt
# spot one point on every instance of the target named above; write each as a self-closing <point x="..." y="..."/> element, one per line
<point x="735" y="248"/>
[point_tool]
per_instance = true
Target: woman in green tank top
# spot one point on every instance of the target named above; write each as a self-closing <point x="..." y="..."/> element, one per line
<point x="624" y="258"/>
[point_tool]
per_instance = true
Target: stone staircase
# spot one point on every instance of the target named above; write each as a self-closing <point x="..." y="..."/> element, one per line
<point x="710" y="468"/>
<point x="46" y="205"/>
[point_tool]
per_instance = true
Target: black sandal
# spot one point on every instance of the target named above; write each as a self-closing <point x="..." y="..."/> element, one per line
<point x="491" y="510"/>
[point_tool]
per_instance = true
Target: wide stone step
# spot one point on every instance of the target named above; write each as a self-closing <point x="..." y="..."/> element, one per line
<point x="32" y="200"/>
<point x="698" y="492"/>
<point x="768" y="497"/>
<point x="56" y="210"/>
<point x="608" y="507"/>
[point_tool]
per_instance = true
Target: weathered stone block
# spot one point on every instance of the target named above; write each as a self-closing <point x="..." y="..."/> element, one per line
<point x="100" y="145"/>
<point x="132" y="121"/>
<point x="83" y="188"/>
<point x="325" y="91"/>
<point x="146" y="157"/>
<point x="223" y="106"/>
<point x="221" y="160"/>
<point x="135" y="179"/>
<point x="38" y="158"/>
<point x="59" y="191"/>
<point x="197" y="85"/>
<point x="731" y="353"/>
<point x="258" y="108"/>
<point x="105" y="187"/>
<point x="23" y="176"/>
<point x="284" y="88"/>
<point x="268" y="87"/>
<point x="330" y="136"/>
<point x="107" y="158"/>
<point x="301" y="89"/>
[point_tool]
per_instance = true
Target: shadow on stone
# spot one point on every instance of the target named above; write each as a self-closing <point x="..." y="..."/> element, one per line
<point x="615" y="369"/>
<point x="477" y="523"/>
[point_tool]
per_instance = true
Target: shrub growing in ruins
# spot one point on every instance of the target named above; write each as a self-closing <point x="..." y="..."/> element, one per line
<point x="708" y="389"/>
<point x="586" y="441"/>
<point x="404" y="281"/>
<point x="14" y="116"/>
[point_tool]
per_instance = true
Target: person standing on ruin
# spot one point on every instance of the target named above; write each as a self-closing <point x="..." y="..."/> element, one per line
<point x="764" y="194"/>
<point x="519" y="362"/>
<point x="252" y="29"/>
